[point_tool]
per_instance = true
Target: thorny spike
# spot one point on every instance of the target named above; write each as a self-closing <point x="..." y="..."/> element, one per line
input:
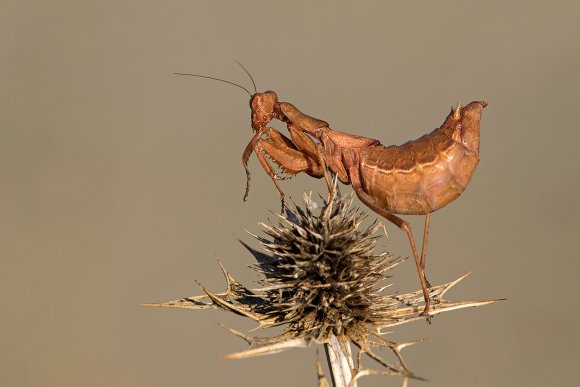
<point x="235" y="332"/>
<point x="457" y="111"/>
<point x="401" y="346"/>
<point x="269" y="349"/>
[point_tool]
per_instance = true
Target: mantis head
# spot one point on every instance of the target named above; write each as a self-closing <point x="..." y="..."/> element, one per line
<point x="263" y="105"/>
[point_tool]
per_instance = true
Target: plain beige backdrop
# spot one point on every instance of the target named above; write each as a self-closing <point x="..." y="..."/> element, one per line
<point x="121" y="183"/>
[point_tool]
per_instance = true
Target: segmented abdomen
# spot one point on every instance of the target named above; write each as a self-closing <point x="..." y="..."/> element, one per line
<point x="419" y="176"/>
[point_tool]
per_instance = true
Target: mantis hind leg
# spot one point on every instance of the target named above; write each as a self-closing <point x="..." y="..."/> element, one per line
<point x="424" y="246"/>
<point x="402" y="224"/>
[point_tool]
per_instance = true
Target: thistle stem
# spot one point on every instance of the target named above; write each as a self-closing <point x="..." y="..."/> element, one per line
<point x="339" y="362"/>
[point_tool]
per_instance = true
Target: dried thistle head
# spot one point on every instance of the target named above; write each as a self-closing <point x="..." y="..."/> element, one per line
<point x="321" y="274"/>
<point x="321" y="279"/>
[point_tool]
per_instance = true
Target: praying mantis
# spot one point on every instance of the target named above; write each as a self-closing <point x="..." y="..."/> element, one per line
<point x="415" y="178"/>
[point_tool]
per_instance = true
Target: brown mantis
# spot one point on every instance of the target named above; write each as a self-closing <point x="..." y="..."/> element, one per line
<point x="416" y="178"/>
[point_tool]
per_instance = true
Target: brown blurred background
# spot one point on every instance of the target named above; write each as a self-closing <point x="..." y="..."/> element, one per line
<point x="120" y="183"/>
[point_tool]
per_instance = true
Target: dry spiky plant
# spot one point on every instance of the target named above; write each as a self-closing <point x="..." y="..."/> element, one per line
<point x="322" y="281"/>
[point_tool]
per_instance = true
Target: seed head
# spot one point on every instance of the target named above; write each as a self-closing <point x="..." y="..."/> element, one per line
<point x="320" y="278"/>
<point x="321" y="274"/>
